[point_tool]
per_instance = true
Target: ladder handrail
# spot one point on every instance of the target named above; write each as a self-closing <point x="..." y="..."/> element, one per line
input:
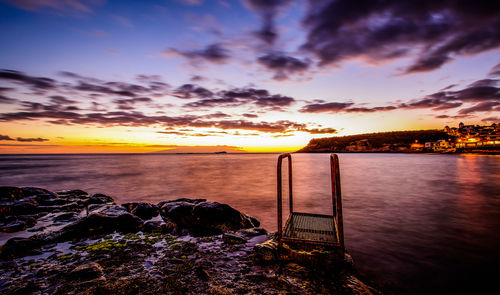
<point x="337" y="198"/>
<point x="280" y="189"/>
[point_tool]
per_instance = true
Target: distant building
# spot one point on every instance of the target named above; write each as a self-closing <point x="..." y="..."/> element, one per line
<point x="475" y="136"/>
<point x="358" y="146"/>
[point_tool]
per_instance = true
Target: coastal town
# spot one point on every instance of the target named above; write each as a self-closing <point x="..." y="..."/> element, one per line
<point x="464" y="138"/>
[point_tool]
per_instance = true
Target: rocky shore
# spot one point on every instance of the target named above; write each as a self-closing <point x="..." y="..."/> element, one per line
<point x="70" y="242"/>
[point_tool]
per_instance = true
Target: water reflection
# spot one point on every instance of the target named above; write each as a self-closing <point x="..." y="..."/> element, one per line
<point x="416" y="224"/>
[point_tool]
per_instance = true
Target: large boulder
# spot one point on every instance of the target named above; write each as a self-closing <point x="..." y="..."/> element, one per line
<point x="145" y="211"/>
<point x="102" y="220"/>
<point x="205" y="218"/>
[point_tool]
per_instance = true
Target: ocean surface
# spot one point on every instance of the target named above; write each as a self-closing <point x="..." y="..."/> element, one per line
<point x="414" y="224"/>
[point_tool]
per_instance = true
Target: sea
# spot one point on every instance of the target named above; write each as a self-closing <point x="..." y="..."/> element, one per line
<point x="413" y="223"/>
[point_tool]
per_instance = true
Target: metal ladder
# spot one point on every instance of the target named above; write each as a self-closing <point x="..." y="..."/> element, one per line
<point x="308" y="229"/>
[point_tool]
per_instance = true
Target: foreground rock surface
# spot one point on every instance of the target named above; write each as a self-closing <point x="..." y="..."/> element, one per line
<point x="73" y="243"/>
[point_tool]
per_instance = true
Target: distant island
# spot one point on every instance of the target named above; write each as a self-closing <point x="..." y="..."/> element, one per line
<point x="465" y="138"/>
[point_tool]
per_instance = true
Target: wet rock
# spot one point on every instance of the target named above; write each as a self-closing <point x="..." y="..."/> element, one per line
<point x="75" y="192"/>
<point x="10" y="193"/>
<point x="19" y="247"/>
<point x="179" y="213"/>
<point x="145" y="211"/>
<point x="252" y="232"/>
<point x="202" y="273"/>
<point x="66" y="217"/>
<point x="192" y="201"/>
<point x="156" y="227"/>
<point x="217" y="217"/>
<point x="100" y="199"/>
<point x="35" y="191"/>
<point x="230" y="238"/>
<point x="103" y="220"/>
<point x="87" y="271"/>
<point x="266" y="252"/>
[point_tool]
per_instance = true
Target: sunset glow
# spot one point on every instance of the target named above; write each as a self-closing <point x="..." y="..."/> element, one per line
<point x="238" y="76"/>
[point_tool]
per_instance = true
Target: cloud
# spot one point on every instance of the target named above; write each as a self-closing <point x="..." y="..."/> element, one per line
<point x="21" y="139"/>
<point x="191" y="91"/>
<point x="486" y="106"/>
<point x="267" y="10"/>
<point x="241" y="96"/>
<point x="283" y="65"/>
<point x="434" y="31"/>
<point x="320" y="130"/>
<point x="39" y="139"/>
<point x="214" y="53"/>
<point x="68" y="6"/>
<point x="329" y="107"/>
<point x="495" y="71"/>
<point x="491" y="120"/>
<point x="38" y="83"/>
<point x="129" y="103"/>
<point x="5" y="137"/>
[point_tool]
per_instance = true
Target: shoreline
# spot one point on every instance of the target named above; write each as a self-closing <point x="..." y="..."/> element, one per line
<point x="73" y="242"/>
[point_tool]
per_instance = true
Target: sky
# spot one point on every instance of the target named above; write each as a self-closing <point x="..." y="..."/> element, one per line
<point x="97" y="76"/>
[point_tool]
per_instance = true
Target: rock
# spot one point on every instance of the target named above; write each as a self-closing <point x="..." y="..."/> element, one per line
<point x="217" y="217"/>
<point x="100" y="199"/>
<point x="12" y="224"/>
<point x="104" y="220"/>
<point x="66" y="217"/>
<point x="230" y="238"/>
<point x="156" y="227"/>
<point x="75" y="192"/>
<point x="192" y="201"/>
<point x="266" y="252"/>
<point x="19" y="207"/>
<point x="252" y="232"/>
<point x="19" y="247"/>
<point x="144" y="211"/>
<point x="10" y="193"/>
<point x="86" y="272"/>
<point x="35" y="191"/>
<point x="205" y="218"/>
<point x="202" y="273"/>
<point x="180" y="213"/>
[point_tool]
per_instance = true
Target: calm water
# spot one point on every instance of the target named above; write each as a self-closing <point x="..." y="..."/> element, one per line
<point x="415" y="224"/>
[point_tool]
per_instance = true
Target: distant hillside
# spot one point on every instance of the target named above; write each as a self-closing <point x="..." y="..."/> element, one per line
<point x="376" y="140"/>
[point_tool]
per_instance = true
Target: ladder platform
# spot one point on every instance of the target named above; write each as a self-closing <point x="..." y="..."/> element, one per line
<point x="313" y="228"/>
<point x="309" y="230"/>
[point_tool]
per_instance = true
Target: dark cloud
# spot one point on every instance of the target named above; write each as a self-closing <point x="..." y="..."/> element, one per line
<point x="241" y="96"/>
<point x="129" y="103"/>
<point x="5" y="137"/>
<point x="38" y="83"/>
<point x="214" y="53"/>
<point x="491" y="120"/>
<point x="215" y="102"/>
<point x="329" y="107"/>
<point x="267" y="10"/>
<point x="21" y="139"/>
<point x="495" y="71"/>
<point x="191" y="91"/>
<point x="283" y="65"/>
<point x="320" y="130"/>
<point x="480" y="107"/>
<point x="39" y="139"/>
<point x="250" y="116"/>
<point x="6" y="100"/>
<point x="435" y="31"/>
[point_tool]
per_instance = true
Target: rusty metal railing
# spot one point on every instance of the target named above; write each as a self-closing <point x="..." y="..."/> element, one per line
<point x="308" y="228"/>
